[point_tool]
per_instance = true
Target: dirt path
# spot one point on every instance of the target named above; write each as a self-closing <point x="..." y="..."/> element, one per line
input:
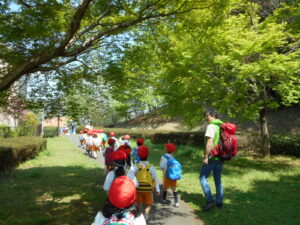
<point x="161" y="214"/>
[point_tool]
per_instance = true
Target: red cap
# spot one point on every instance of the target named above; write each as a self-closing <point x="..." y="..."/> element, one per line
<point x="143" y="152"/>
<point x="90" y="132"/>
<point x="81" y="132"/>
<point x="140" y="140"/>
<point x="112" y="134"/>
<point x="101" y="131"/>
<point x="118" y="155"/>
<point x="126" y="137"/>
<point x="111" y="141"/>
<point x="122" y="192"/>
<point x="95" y="134"/>
<point x="170" y="147"/>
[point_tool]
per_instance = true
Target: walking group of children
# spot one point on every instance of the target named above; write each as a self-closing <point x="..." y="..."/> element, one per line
<point x="92" y="141"/>
<point x="131" y="180"/>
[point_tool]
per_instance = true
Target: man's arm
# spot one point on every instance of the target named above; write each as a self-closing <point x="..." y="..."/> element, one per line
<point x="208" y="147"/>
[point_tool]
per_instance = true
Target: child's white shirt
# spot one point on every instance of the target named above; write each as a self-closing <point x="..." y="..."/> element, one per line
<point x="95" y="141"/>
<point x="100" y="219"/>
<point x="85" y="136"/>
<point x="144" y="164"/>
<point x="163" y="162"/>
<point x="89" y="140"/>
<point x="116" y="143"/>
<point x="111" y="176"/>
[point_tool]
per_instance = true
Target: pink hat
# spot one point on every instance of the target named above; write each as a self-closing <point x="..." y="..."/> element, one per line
<point x="126" y="137"/>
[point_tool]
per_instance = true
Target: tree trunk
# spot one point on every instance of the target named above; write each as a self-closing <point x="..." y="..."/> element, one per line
<point x="58" y="125"/>
<point x="264" y="133"/>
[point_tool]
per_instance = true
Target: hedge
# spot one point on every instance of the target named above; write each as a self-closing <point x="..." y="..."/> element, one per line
<point x="287" y="145"/>
<point x="50" y="131"/>
<point x="13" y="151"/>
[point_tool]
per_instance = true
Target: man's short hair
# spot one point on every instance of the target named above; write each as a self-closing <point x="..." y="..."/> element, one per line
<point x="212" y="112"/>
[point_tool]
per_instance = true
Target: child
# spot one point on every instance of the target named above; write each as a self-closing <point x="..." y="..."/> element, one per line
<point x="119" y="158"/>
<point x="81" y="139"/>
<point x="107" y="154"/>
<point x="95" y="145"/>
<point x="113" y="136"/>
<point x="135" y="158"/>
<point x="146" y="176"/>
<point x="169" y="148"/>
<point x="104" y="139"/>
<point x="89" y="143"/>
<point x="124" y="140"/>
<point x="120" y="207"/>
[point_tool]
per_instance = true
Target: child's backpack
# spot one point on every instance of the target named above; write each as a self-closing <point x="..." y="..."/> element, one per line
<point x="135" y="156"/>
<point x="144" y="178"/>
<point x="127" y="219"/>
<point x="174" y="168"/>
<point x="108" y="158"/>
<point x="227" y="148"/>
<point x="104" y="137"/>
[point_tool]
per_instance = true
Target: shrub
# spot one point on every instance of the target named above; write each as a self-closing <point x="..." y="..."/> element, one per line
<point x="13" y="151"/>
<point x="5" y="131"/>
<point x="285" y="145"/>
<point x="183" y="138"/>
<point x="28" y="124"/>
<point x="50" y="131"/>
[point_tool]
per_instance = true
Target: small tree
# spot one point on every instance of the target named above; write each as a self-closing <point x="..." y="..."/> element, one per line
<point x="28" y="124"/>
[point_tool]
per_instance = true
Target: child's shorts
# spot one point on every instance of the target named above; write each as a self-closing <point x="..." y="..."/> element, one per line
<point x="95" y="148"/>
<point x="103" y="142"/>
<point x="169" y="183"/>
<point x="88" y="147"/>
<point x="144" y="197"/>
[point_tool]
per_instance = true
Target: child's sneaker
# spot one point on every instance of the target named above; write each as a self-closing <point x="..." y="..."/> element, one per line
<point x="164" y="201"/>
<point x="175" y="204"/>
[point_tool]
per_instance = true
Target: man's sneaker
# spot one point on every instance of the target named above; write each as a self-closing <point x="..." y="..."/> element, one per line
<point x="219" y="205"/>
<point x="164" y="201"/>
<point x="209" y="206"/>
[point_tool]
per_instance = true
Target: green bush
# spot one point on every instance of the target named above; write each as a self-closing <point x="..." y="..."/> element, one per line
<point x="13" y="151"/>
<point x="50" y="131"/>
<point x="285" y="145"/>
<point x="28" y="124"/>
<point x="5" y="131"/>
<point x="182" y="138"/>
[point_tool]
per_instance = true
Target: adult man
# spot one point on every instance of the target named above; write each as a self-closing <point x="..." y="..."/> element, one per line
<point x="71" y="127"/>
<point x="212" y="163"/>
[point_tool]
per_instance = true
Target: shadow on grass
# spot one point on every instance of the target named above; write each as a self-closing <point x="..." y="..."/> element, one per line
<point x="267" y="203"/>
<point x="51" y="195"/>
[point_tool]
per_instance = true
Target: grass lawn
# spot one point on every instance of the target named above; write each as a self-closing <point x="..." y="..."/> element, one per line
<point x="60" y="186"/>
<point x="256" y="191"/>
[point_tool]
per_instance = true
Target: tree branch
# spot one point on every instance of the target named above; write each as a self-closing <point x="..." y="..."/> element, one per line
<point x="75" y="23"/>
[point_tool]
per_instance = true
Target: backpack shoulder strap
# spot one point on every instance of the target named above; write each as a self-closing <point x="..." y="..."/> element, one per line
<point x="166" y="157"/>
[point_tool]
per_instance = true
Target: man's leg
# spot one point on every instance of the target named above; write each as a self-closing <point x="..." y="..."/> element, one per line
<point x="217" y="172"/>
<point x="204" y="173"/>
